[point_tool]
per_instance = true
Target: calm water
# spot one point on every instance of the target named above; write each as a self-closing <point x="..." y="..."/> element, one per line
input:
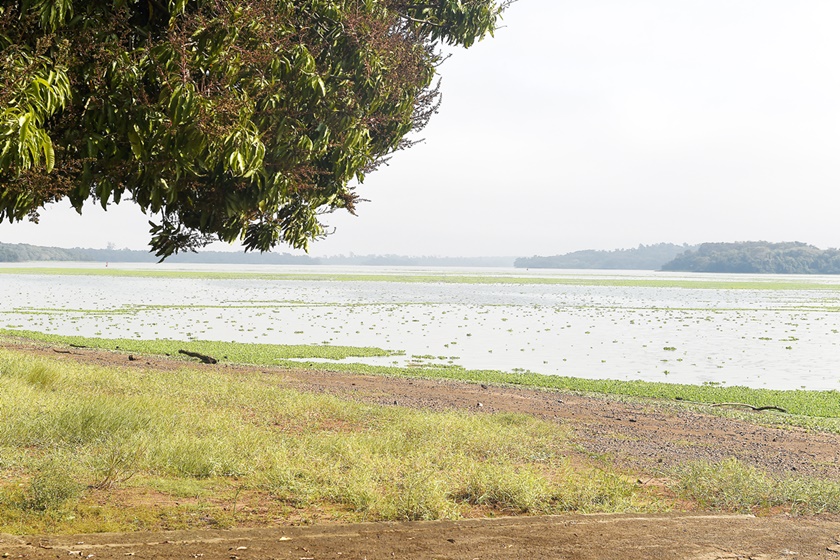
<point x="760" y="338"/>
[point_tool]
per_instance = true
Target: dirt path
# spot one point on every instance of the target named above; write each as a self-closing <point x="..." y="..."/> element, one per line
<point x="603" y="537"/>
<point x="643" y="438"/>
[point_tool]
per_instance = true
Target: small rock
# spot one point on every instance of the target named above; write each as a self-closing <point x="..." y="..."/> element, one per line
<point x="835" y="549"/>
<point x="131" y="358"/>
<point x="479" y="405"/>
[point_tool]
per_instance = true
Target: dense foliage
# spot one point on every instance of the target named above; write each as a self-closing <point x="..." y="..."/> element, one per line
<point x="228" y="119"/>
<point x="644" y="257"/>
<point x="758" y="257"/>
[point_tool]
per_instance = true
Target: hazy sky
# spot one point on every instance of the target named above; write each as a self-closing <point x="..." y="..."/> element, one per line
<point x="599" y="124"/>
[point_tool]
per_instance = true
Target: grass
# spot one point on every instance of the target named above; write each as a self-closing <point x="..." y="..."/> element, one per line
<point x="798" y="403"/>
<point x="699" y="283"/>
<point x="86" y="449"/>
<point x="730" y="485"/>
<point x="245" y="353"/>
<point x="818" y="410"/>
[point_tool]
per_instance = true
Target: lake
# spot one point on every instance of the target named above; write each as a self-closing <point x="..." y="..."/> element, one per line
<point x="759" y="331"/>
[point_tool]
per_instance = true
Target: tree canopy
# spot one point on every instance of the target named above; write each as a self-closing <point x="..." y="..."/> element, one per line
<point x="222" y="119"/>
<point x="758" y="257"/>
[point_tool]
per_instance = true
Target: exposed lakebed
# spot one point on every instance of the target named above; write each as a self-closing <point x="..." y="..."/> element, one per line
<point x="759" y="331"/>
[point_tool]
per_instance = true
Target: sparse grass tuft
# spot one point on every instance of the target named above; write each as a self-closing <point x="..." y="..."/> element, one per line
<point x="730" y="485"/>
<point x="523" y="490"/>
<point x="53" y="484"/>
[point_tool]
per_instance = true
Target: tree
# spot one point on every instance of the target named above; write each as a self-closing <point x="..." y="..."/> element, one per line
<point x="224" y="119"/>
<point x="758" y="257"/>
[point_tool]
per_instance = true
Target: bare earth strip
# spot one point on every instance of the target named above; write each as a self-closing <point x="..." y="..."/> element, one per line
<point x="613" y="537"/>
<point x="644" y="438"/>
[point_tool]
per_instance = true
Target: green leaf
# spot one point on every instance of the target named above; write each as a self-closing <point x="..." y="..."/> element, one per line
<point x="49" y="155"/>
<point x="136" y="142"/>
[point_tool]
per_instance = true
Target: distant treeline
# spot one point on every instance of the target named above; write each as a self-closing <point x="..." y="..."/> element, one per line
<point x="643" y="257"/>
<point x="24" y="253"/>
<point x="746" y="257"/>
<point x="758" y="257"/>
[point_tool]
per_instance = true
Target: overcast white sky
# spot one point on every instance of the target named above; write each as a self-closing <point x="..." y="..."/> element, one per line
<point x="599" y="124"/>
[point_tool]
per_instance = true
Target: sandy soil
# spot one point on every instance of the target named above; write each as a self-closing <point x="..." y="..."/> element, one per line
<point x="614" y="537"/>
<point x="641" y="437"/>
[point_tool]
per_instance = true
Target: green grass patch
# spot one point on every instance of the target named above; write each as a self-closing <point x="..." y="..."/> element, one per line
<point x="87" y="448"/>
<point x="730" y="485"/>
<point x="245" y="353"/>
<point x="436" y="278"/>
